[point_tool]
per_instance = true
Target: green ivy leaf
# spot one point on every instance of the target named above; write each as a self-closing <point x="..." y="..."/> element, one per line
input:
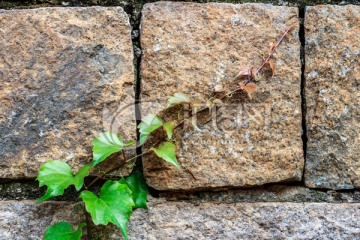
<point x="137" y="185"/>
<point x="104" y="145"/>
<point x="57" y="176"/>
<point x="166" y="151"/>
<point x="148" y="125"/>
<point x="63" y="230"/>
<point x="169" y="127"/>
<point x="178" y="98"/>
<point x="80" y="175"/>
<point x="115" y="205"/>
<point x="143" y="137"/>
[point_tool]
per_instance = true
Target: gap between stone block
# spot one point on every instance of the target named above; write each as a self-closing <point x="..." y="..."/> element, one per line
<point x="302" y="10"/>
<point x="135" y="38"/>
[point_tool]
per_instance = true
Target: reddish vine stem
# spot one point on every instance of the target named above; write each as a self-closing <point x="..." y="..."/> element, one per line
<point x="274" y="48"/>
<point x="199" y="111"/>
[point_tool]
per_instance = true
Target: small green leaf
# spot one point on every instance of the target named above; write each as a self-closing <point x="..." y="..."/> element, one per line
<point x="166" y="151"/>
<point x="137" y="185"/>
<point x="178" y="98"/>
<point x="104" y="145"/>
<point x="62" y="231"/>
<point x="148" y="125"/>
<point x="143" y="137"/>
<point x="57" y="176"/>
<point x="115" y="205"/>
<point x="80" y="175"/>
<point x="169" y="126"/>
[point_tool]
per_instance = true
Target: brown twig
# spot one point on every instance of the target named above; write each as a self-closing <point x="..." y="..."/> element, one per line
<point x="274" y="48"/>
<point x="191" y="174"/>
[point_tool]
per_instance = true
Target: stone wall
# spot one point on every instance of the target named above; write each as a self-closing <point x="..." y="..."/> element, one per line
<point x="281" y="164"/>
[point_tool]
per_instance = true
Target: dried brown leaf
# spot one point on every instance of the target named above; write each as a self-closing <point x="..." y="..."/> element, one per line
<point x="249" y="88"/>
<point x="272" y="66"/>
<point x="243" y="71"/>
<point x="253" y="73"/>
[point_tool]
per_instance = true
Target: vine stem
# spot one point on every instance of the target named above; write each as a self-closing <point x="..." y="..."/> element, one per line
<point x="274" y="48"/>
<point x="99" y="177"/>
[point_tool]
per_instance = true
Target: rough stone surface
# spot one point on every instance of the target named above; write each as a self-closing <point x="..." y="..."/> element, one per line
<point x="332" y="96"/>
<point x="23" y="220"/>
<point x="63" y="74"/>
<point x="190" y="48"/>
<point x="128" y="4"/>
<point x="182" y="220"/>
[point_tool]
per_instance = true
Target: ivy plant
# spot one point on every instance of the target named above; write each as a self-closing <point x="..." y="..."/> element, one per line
<point x="118" y="198"/>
